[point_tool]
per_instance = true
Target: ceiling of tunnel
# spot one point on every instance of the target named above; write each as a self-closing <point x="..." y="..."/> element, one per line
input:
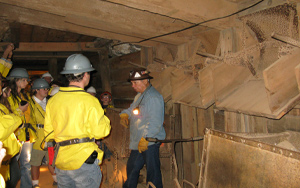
<point x="58" y="28"/>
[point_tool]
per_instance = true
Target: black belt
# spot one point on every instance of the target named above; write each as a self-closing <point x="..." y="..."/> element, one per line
<point x="76" y="141"/>
<point x="39" y="125"/>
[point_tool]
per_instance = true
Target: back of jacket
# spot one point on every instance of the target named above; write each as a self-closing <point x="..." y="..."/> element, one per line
<point x="73" y="113"/>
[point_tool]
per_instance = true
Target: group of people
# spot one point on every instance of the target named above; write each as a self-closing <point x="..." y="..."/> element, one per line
<point x="63" y="128"/>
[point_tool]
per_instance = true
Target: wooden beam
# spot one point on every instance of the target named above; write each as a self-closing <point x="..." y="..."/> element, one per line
<point x="52" y="67"/>
<point x="53" y="47"/>
<point x="104" y="17"/>
<point x="280" y="80"/>
<point x="193" y="11"/>
<point x="214" y="57"/>
<point x="104" y="70"/>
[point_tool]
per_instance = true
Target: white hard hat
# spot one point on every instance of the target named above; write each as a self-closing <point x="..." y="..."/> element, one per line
<point x="54" y="91"/>
<point x="77" y="63"/>
<point x="47" y="74"/>
<point x="91" y="90"/>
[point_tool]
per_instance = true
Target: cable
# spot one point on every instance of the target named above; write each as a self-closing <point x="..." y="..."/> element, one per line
<point x="190" y="27"/>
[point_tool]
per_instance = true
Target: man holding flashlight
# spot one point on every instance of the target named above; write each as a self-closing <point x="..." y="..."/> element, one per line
<point x="146" y="115"/>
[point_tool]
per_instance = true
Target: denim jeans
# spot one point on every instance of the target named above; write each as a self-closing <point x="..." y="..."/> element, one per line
<point x="87" y="176"/>
<point x="25" y="167"/>
<point x="136" y="162"/>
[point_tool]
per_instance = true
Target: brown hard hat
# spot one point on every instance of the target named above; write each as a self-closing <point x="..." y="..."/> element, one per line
<point x="139" y="74"/>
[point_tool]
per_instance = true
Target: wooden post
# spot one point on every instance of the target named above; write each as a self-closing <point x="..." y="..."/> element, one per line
<point x="146" y="56"/>
<point x="103" y="68"/>
<point x="52" y="67"/>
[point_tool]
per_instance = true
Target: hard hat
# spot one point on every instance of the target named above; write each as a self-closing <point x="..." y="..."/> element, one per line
<point x="91" y="90"/>
<point x="47" y="74"/>
<point x="18" y="73"/>
<point x="40" y="83"/>
<point x="139" y="74"/>
<point x="105" y="93"/>
<point x="54" y="91"/>
<point x="77" y="63"/>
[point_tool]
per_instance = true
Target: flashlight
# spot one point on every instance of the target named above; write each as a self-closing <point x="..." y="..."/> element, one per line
<point x="136" y="111"/>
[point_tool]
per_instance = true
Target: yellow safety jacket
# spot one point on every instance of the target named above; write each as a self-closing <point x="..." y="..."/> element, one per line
<point x="74" y="113"/>
<point x="21" y="133"/>
<point x="8" y="124"/>
<point x="37" y="118"/>
<point x="5" y="66"/>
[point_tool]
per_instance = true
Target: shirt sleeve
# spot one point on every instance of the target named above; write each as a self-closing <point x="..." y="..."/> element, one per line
<point x="8" y="124"/>
<point x="99" y="124"/>
<point x="155" y="112"/>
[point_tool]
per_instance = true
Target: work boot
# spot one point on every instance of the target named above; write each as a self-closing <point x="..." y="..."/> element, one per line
<point x="54" y="183"/>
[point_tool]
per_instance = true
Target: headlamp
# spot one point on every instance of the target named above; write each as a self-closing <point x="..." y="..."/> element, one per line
<point x="136" y="111"/>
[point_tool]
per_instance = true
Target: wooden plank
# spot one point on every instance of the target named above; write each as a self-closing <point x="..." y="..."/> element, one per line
<point x="162" y="82"/>
<point x="185" y="89"/>
<point x="249" y="98"/>
<point x="25" y="33"/>
<point x="54" y="47"/>
<point x="110" y="17"/>
<point x="146" y="56"/>
<point x="125" y="60"/>
<point x="52" y="67"/>
<point x="297" y="73"/>
<point x="227" y="78"/>
<point x="104" y="69"/>
<point x="56" y="21"/>
<point x="206" y="86"/>
<point x="39" y="34"/>
<point x="193" y="10"/>
<point x="55" y="35"/>
<point x="280" y="82"/>
<point x="187" y="121"/>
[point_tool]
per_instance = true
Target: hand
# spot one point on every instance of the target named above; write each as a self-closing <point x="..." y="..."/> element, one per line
<point x="124" y="120"/>
<point x="8" y="51"/>
<point x="23" y="108"/>
<point x="143" y="145"/>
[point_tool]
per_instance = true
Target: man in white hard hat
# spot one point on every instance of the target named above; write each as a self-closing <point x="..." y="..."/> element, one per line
<point x="75" y="119"/>
<point x="146" y="115"/>
<point x="48" y="77"/>
<point x="91" y="90"/>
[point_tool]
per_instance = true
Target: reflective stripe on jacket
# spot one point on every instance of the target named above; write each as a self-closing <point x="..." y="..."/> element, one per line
<point x="74" y="113"/>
